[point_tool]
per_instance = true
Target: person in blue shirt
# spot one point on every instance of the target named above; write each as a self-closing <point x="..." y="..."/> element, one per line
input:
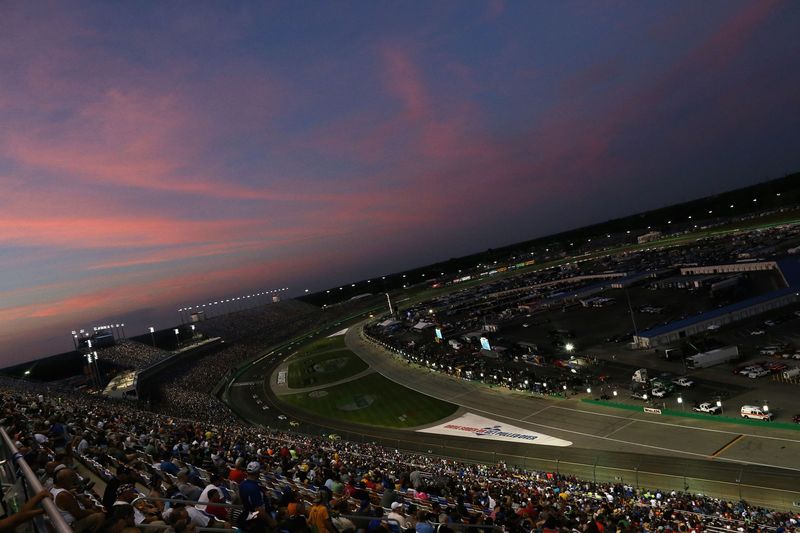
<point x="255" y="517"/>
<point x="168" y="466"/>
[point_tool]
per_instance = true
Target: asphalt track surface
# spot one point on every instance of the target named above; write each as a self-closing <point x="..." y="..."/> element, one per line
<point x="759" y="465"/>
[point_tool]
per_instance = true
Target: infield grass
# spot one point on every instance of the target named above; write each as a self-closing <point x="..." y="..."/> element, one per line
<point x="320" y="345"/>
<point x="373" y="400"/>
<point x="325" y="367"/>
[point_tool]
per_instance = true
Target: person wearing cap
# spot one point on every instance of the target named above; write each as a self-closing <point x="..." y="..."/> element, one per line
<point x="398" y="515"/>
<point x="255" y="516"/>
<point x="124" y="476"/>
<point x="121" y="517"/>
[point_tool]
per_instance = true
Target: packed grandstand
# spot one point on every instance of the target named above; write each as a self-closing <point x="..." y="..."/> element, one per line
<point x="299" y="482"/>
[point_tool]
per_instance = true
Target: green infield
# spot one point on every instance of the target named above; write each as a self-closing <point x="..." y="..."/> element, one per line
<point x="320" y="345"/>
<point x="373" y="400"/>
<point x="324" y="367"/>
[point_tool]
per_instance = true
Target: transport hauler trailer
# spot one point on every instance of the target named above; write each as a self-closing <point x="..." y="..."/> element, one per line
<point x="713" y="357"/>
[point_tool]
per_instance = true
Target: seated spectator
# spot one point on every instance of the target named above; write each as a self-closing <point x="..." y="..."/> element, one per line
<point x="398" y="515"/>
<point x="180" y="512"/>
<point x="423" y="525"/>
<point x="168" y="466"/>
<point x="218" y="512"/>
<point x="295" y="521"/>
<point x="341" y="523"/>
<point x="78" y="512"/>
<point x="255" y="516"/>
<point x="187" y="489"/>
<point x="124" y="476"/>
<point x="238" y="474"/>
<point x="121" y="518"/>
<point x="318" y="516"/>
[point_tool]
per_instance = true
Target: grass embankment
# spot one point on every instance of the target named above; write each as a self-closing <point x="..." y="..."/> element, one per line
<point x="373" y="400"/>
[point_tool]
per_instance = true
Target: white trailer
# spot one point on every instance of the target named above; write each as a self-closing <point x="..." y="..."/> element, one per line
<point x="713" y="357"/>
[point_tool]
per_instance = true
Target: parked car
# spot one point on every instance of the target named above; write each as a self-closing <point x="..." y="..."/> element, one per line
<point x="659" y="393"/>
<point x="708" y="408"/>
<point x="776" y="366"/>
<point x="683" y="382"/>
<point x="750" y="369"/>
<point x="758" y="373"/>
<point x="757" y="332"/>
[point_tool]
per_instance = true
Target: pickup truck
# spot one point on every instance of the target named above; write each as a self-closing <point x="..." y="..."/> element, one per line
<point x="683" y="382"/>
<point x="708" y="408"/>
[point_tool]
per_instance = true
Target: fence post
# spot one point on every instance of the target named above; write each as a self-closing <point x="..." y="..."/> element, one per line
<point x="637" y="475"/>
<point x="558" y="460"/>
<point x="594" y="470"/>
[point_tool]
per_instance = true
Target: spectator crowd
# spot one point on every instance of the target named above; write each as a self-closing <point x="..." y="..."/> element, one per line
<point x="299" y="483"/>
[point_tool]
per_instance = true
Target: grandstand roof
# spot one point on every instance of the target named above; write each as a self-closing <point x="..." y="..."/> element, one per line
<point x="790" y="268"/>
<point x="716" y="313"/>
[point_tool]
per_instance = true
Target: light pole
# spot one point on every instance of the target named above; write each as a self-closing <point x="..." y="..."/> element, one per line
<point x="88" y="358"/>
<point x="75" y="339"/>
<point x="177" y="336"/>
<point x="152" y="335"/>
<point x="721" y="409"/>
<point x="97" y="370"/>
<point x="680" y="402"/>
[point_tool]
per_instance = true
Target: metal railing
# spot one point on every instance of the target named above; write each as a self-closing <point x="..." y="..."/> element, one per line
<point x="34" y="486"/>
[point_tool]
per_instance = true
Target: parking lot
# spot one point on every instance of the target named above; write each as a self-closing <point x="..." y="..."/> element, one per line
<point x="544" y="338"/>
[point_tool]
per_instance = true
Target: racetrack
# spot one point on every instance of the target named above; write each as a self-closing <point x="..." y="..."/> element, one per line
<point x="669" y="453"/>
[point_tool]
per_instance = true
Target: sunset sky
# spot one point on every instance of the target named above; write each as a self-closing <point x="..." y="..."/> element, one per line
<point x="160" y="154"/>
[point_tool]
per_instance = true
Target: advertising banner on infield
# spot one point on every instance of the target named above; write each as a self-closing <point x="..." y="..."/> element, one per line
<point x="477" y="427"/>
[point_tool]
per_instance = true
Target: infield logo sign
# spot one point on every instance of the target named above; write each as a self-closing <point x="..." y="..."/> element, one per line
<point x="474" y="426"/>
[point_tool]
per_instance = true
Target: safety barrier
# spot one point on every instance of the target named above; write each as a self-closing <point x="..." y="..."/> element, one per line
<point x="29" y="486"/>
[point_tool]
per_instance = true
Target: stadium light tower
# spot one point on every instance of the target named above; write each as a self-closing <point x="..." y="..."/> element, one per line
<point x="152" y="335"/>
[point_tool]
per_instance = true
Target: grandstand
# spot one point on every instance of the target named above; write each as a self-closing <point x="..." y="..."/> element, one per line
<point x="155" y="456"/>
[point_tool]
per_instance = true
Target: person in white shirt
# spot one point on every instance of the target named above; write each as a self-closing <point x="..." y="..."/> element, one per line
<point x="80" y="515"/>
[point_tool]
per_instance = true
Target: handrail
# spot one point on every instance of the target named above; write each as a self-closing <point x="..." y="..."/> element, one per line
<point x="49" y="505"/>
